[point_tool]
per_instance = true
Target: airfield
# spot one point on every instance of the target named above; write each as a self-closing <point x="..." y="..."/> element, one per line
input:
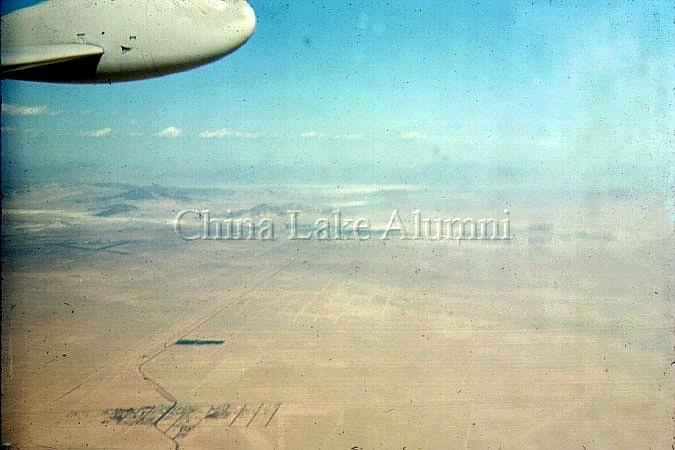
<point x="117" y="334"/>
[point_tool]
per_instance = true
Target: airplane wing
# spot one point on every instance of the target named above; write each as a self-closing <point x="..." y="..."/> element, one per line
<point x="19" y="58"/>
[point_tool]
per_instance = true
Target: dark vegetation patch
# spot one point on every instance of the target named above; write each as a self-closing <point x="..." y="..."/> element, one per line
<point x="200" y="342"/>
<point x="145" y="415"/>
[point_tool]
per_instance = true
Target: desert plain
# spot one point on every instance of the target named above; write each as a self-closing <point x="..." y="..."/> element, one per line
<point x="118" y="334"/>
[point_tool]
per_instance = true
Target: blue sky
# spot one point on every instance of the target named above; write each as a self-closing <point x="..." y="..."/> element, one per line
<point x="546" y="86"/>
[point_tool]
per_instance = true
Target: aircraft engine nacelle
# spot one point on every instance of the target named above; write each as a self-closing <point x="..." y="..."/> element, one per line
<point x="100" y="41"/>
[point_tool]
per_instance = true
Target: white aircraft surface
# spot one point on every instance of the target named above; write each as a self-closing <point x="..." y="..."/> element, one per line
<point x="102" y="41"/>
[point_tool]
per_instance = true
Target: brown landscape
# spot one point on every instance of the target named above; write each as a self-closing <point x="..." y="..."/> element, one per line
<point x="118" y="334"/>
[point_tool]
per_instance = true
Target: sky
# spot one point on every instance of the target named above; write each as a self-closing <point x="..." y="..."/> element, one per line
<point x="566" y="90"/>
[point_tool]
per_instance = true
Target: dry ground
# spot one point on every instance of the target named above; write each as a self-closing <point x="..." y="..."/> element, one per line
<point x="560" y="339"/>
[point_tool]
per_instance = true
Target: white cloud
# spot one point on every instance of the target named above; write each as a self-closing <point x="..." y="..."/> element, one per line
<point x="414" y="136"/>
<point x="336" y="137"/>
<point x="227" y="133"/>
<point x="103" y="132"/>
<point x="22" y="110"/>
<point x="170" y="132"/>
<point x="211" y="134"/>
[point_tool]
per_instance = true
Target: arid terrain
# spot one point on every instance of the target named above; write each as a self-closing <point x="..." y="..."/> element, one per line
<point x="118" y="334"/>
